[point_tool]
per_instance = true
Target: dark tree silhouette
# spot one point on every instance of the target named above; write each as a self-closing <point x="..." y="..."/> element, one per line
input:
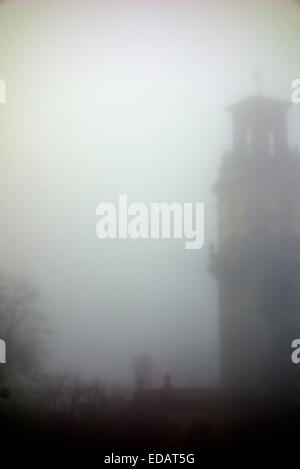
<point x="23" y="328"/>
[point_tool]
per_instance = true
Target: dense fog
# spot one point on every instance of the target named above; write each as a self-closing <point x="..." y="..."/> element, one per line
<point x="127" y="97"/>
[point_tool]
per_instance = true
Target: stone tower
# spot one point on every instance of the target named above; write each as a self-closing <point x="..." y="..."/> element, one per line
<point x="257" y="261"/>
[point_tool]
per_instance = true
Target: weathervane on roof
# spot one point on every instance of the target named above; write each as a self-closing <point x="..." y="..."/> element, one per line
<point x="258" y="80"/>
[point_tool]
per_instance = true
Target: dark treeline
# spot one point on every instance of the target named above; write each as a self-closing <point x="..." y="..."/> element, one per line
<point x="63" y="412"/>
<point x="114" y="423"/>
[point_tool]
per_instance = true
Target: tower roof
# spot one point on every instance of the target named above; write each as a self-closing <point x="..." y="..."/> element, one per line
<point x="257" y="102"/>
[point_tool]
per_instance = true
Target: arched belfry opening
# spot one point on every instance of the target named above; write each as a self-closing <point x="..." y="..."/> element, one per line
<point x="254" y="120"/>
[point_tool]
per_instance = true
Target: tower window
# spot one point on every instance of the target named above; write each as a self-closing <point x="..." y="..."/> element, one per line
<point x="249" y="141"/>
<point x="271" y="144"/>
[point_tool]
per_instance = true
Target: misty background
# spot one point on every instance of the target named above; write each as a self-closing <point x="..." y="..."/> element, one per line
<point x="115" y="97"/>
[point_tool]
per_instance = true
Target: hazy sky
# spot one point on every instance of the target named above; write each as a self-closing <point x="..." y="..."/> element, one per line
<point x="113" y="97"/>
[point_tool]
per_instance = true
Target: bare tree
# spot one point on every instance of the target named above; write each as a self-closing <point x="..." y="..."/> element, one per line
<point x="69" y="395"/>
<point x="23" y="328"/>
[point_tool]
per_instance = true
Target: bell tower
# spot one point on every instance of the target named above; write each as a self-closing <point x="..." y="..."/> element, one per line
<point x="257" y="263"/>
